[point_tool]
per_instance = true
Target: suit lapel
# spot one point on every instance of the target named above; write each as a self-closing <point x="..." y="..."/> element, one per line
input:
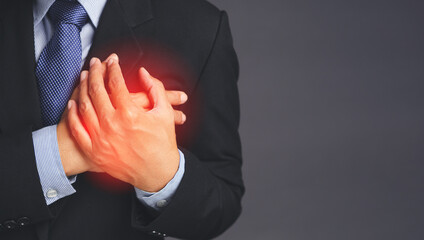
<point x="18" y="89"/>
<point x="19" y="99"/>
<point x="115" y="32"/>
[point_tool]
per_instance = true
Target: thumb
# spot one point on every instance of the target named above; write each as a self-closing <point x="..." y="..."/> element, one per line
<point x="141" y="100"/>
<point x="154" y="89"/>
<point x="75" y="93"/>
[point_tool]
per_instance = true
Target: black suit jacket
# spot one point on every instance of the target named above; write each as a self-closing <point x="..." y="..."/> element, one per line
<point x="186" y="44"/>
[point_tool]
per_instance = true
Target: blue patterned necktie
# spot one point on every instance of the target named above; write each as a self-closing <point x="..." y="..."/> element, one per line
<point x="59" y="64"/>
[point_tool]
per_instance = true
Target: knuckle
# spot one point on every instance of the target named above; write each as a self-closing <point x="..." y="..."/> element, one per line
<point x="121" y="99"/>
<point x="108" y="122"/>
<point x="74" y="131"/>
<point x="94" y="89"/>
<point x="128" y="114"/>
<point x="113" y="82"/>
<point x="99" y="161"/>
<point x="159" y="84"/>
<point x="168" y="113"/>
<point x="84" y="106"/>
<point x="168" y="109"/>
<point x="104" y="143"/>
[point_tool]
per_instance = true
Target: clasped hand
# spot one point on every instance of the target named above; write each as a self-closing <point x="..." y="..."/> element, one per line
<point x="129" y="136"/>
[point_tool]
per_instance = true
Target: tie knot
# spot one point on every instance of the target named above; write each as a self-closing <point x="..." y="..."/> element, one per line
<point x="68" y="11"/>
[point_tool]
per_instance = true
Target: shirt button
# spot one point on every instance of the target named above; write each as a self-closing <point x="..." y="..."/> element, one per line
<point x="161" y="203"/>
<point x="51" y="193"/>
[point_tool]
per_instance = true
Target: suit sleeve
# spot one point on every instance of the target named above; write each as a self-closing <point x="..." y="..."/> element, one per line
<point x="208" y="199"/>
<point x="21" y="200"/>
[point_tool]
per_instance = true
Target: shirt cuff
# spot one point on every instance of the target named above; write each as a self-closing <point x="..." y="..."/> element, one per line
<point x="159" y="200"/>
<point x="54" y="182"/>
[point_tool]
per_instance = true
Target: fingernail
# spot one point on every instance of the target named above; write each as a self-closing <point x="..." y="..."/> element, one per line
<point x="69" y="104"/>
<point x="183" y="117"/>
<point x="184" y="97"/>
<point x="83" y="75"/>
<point x="115" y="56"/>
<point x="92" y="61"/>
<point x="145" y="71"/>
<point x="112" y="56"/>
<point x="110" y="62"/>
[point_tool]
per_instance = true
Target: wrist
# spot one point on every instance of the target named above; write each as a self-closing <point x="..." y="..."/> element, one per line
<point x="163" y="174"/>
<point x="68" y="151"/>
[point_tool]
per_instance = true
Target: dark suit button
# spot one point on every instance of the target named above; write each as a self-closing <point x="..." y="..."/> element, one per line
<point x="10" y="224"/>
<point x="23" y="221"/>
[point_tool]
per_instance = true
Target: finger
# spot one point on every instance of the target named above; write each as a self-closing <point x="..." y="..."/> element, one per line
<point x="97" y="91"/>
<point x="104" y="63"/>
<point x="113" y="56"/>
<point x="85" y="106"/>
<point x="176" y="97"/>
<point x="120" y="95"/>
<point x="75" y="93"/>
<point x="179" y="117"/>
<point x="154" y="88"/>
<point x="140" y="100"/>
<point x="74" y="97"/>
<point x="77" y="128"/>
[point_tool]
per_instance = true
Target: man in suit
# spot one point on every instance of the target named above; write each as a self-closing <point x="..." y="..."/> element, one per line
<point x="194" y="192"/>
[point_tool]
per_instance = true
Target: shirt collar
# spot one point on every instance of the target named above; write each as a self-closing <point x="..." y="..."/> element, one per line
<point x="94" y="9"/>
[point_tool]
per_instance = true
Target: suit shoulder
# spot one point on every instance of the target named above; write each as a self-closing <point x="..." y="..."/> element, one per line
<point x="196" y="10"/>
<point x="201" y="6"/>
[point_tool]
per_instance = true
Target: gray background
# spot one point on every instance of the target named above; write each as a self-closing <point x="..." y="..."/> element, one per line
<point x="332" y="97"/>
